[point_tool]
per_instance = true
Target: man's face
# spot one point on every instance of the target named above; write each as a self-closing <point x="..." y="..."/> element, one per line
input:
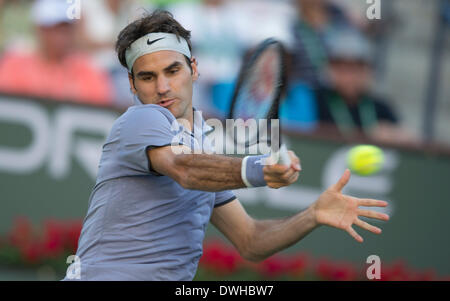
<point x="350" y="78"/>
<point x="57" y="40"/>
<point x="164" y="78"/>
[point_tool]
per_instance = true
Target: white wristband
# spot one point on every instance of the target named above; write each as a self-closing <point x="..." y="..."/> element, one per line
<point x="244" y="172"/>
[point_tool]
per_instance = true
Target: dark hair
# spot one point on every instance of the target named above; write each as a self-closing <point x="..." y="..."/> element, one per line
<point x="158" y="21"/>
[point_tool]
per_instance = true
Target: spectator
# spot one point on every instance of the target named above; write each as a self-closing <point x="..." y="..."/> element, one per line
<point x="315" y="19"/>
<point x="345" y="101"/>
<point x="100" y="25"/>
<point x="54" y="70"/>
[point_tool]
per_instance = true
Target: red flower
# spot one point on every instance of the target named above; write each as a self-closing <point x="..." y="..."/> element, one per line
<point x="21" y="233"/>
<point x="211" y="253"/>
<point x="272" y="267"/>
<point x="31" y="252"/>
<point x="396" y="272"/>
<point x="56" y="238"/>
<point x="427" y="275"/>
<point x="296" y="265"/>
<point x="72" y="234"/>
<point x="324" y="269"/>
<point x="53" y="240"/>
<point x="328" y="270"/>
<point x="344" y="272"/>
<point x="220" y="259"/>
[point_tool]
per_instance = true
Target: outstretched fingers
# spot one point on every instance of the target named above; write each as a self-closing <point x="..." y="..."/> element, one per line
<point x="354" y="234"/>
<point x="373" y="214"/>
<point x="372" y="203"/>
<point x="367" y="226"/>
<point x="343" y="180"/>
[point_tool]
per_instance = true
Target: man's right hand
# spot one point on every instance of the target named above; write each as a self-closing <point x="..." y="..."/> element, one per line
<point x="277" y="175"/>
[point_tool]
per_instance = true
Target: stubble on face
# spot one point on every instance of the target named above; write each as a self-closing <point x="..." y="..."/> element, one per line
<point x="164" y="78"/>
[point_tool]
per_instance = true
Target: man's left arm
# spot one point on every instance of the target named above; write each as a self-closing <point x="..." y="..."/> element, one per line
<point x="259" y="239"/>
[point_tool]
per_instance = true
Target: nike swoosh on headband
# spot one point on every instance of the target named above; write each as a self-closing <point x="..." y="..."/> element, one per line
<point x="151" y="42"/>
<point x="147" y="44"/>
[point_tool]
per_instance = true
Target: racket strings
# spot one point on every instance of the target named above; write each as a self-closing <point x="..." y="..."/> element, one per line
<point x="258" y="92"/>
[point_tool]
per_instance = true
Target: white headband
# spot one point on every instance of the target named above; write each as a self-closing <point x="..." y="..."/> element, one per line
<point x="153" y="42"/>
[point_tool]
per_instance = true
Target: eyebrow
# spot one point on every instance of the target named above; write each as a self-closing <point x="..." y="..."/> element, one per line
<point x="148" y="73"/>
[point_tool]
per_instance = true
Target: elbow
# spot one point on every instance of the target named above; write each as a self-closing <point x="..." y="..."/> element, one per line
<point x="245" y="253"/>
<point x="252" y="256"/>
<point x="247" y="248"/>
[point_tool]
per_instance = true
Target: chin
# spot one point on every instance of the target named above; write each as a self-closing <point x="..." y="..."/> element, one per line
<point x="175" y="112"/>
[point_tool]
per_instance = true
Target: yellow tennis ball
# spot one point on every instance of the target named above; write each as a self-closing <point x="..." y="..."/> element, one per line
<point x="365" y="160"/>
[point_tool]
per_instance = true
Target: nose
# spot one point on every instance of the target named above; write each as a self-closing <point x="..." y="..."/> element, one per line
<point x="163" y="86"/>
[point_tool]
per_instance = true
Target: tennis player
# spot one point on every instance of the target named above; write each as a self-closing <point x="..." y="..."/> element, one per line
<point x="150" y="207"/>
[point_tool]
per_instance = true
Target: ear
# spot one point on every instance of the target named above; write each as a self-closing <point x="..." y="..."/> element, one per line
<point x="132" y="88"/>
<point x="194" y="66"/>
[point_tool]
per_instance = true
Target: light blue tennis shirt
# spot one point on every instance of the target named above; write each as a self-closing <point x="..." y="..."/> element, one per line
<point x="141" y="225"/>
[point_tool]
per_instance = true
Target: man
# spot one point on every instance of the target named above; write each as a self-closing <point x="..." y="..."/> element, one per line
<point x="345" y="101"/>
<point x="315" y="18"/>
<point x="150" y="207"/>
<point x="54" y="70"/>
<point x="102" y="20"/>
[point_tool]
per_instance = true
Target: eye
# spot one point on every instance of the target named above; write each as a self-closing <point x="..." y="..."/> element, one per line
<point x="174" y="70"/>
<point x="147" y="78"/>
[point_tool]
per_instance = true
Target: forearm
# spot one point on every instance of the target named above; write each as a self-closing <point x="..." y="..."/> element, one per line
<point x="210" y="172"/>
<point x="271" y="236"/>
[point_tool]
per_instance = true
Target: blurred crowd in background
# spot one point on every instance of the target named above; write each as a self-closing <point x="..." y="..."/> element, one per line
<point x="347" y="75"/>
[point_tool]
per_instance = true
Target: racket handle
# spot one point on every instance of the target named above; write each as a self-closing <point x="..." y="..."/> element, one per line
<point x="282" y="156"/>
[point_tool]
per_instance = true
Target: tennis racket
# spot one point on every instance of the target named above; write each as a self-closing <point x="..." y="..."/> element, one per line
<point x="260" y="86"/>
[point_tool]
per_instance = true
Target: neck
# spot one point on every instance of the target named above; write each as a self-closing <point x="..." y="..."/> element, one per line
<point x="187" y="120"/>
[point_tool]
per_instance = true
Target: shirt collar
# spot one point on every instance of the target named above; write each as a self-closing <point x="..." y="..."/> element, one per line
<point x="200" y="123"/>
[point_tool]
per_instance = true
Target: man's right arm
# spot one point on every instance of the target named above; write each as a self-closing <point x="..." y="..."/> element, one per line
<point x="213" y="172"/>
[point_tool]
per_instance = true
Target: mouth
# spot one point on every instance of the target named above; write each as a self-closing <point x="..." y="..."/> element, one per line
<point x="167" y="102"/>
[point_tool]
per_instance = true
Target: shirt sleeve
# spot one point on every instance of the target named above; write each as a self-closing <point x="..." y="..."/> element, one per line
<point x="224" y="197"/>
<point x="145" y="128"/>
